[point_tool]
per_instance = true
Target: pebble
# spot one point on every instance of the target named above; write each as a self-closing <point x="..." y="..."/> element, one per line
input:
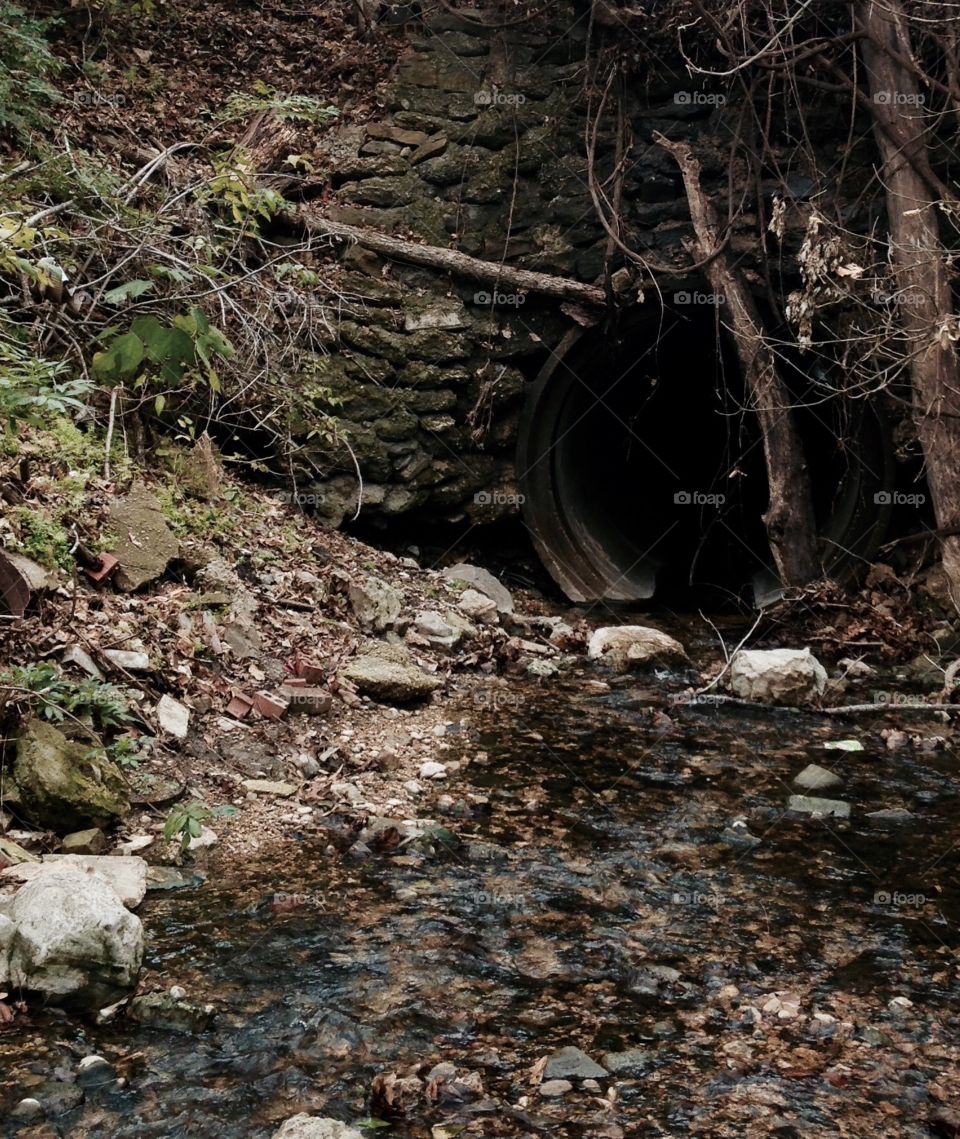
<point x="817" y="778"/>
<point x="406" y="894"/>
<point x="178" y="992"/>
<point x="811" y="805"/>
<point x="891" y="817"/>
<point x="412" y="787"/>
<point x="349" y="791"/>
<point x="135" y="844"/>
<point x="553" y="1088"/>
<point x="572" y="1063"/>
<point x="28" y="1111"/>
<point x="432" y="770"/>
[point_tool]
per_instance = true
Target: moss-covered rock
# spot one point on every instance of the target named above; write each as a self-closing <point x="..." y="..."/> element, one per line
<point x="62" y="784"/>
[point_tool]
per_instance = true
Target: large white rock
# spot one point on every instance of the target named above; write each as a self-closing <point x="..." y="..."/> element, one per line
<point x="304" y="1126"/>
<point x="127" y="876"/>
<point x="776" y="676"/>
<point x="73" y="940"/>
<point x="630" y="646"/>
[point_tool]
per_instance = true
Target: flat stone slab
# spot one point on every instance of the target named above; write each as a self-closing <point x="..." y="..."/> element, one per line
<point x="572" y="1064"/>
<point x="816" y="778"/>
<point x="126" y="875"/>
<point x="145" y="543"/>
<point x="269" y="787"/>
<point x="812" y="805"/>
<point x="890" y="817"/>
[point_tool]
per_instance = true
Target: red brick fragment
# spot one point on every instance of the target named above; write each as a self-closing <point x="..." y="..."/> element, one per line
<point x="108" y="565"/>
<point x="272" y="707"/>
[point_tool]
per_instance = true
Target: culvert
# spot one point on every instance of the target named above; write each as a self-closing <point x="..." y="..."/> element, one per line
<point x="642" y="472"/>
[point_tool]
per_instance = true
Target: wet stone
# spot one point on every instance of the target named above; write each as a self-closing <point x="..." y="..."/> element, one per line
<point x="572" y="1064"/>
<point x="629" y="1063"/>
<point x="890" y="817"/>
<point x="553" y="1088"/>
<point x="817" y="778"/>
<point x="812" y="805"/>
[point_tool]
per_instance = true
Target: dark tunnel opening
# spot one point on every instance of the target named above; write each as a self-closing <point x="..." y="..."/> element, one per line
<point x="643" y="473"/>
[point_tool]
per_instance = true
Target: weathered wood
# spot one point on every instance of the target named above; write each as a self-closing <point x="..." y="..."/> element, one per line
<point x="451" y="261"/>
<point x="919" y="263"/>
<point x="789" y="518"/>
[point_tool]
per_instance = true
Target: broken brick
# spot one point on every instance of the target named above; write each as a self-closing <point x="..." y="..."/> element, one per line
<point x="108" y="565"/>
<point x="272" y="707"/>
<point x="309" y="672"/>
<point x="239" y="707"/>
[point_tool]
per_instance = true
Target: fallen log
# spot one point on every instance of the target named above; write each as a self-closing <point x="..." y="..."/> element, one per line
<point x="451" y="261"/>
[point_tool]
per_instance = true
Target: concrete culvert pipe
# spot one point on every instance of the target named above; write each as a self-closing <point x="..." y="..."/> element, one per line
<point x="643" y="473"/>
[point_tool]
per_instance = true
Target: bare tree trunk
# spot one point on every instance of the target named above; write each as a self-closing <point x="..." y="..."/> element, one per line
<point x="919" y="262"/>
<point x="789" y="518"/>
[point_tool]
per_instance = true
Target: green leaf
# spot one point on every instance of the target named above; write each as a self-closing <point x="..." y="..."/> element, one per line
<point x="128" y="292"/>
<point x="159" y="404"/>
<point x="121" y="360"/>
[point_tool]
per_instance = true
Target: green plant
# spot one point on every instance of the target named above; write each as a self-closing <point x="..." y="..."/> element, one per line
<point x="106" y="705"/>
<point x="32" y="389"/>
<point x="40" y="538"/>
<point x="234" y="187"/>
<point x="128" y="751"/>
<point x="185" y="821"/>
<point x="26" y="68"/>
<point x="287" y="108"/>
<point x="188" y="344"/>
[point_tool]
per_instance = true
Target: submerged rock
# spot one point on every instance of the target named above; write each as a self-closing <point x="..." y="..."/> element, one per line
<point x="572" y="1064"/>
<point x="630" y="1063"/>
<point x="388" y="672"/>
<point x="171" y="1012"/>
<point x="816" y="778"/>
<point x="72" y="940"/>
<point x="63" y="785"/>
<point x="305" y="1126"/>
<point x="631" y="646"/>
<point x="776" y="676"/>
<point x="811" y="805"/>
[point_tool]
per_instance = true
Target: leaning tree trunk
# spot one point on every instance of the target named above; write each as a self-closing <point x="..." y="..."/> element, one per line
<point x="919" y="263"/>
<point x="789" y="518"/>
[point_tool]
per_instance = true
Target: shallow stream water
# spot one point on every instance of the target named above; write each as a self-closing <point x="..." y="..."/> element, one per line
<point x="603" y="890"/>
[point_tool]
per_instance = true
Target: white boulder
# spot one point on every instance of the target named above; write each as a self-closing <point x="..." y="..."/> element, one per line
<point x="305" y="1126"/>
<point x="127" y="876"/>
<point x="630" y="646"/>
<point x="776" y="676"/>
<point x="72" y="940"/>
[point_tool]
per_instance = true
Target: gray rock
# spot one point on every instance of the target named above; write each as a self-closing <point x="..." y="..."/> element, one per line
<point x="90" y="841"/>
<point x="173" y="878"/>
<point x="776" y="676"/>
<point x="811" y="805"/>
<point x="145" y="543"/>
<point x="163" y="1010"/>
<point x="631" y="646"/>
<point x="12" y="854"/>
<point x="387" y="672"/>
<point x="375" y="604"/>
<point x="630" y="1063"/>
<point x="484" y="582"/>
<point x="305" y="1126"/>
<point x="73" y="940"/>
<point x="74" y="654"/>
<point x="128" y="660"/>
<point x="269" y="787"/>
<point x="95" y="1072"/>
<point x="816" y="778"/>
<point x="173" y="717"/>
<point x="890" y="817"/>
<point x="126" y="876"/>
<point x="62" y="785"/>
<point x="29" y="1111"/>
<point x="572" y="1064"/>
<point x="554" y="1088"/>
<point x="478" y="607"/>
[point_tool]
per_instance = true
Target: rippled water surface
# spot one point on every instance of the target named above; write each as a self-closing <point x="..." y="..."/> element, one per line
<point x="600" y="888"/>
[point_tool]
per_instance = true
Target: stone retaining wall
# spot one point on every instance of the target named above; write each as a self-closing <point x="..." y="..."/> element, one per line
<point x="481" y="148"/>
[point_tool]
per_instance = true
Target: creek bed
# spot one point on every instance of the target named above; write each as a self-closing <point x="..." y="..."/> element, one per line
<point x="610" y="895"/>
